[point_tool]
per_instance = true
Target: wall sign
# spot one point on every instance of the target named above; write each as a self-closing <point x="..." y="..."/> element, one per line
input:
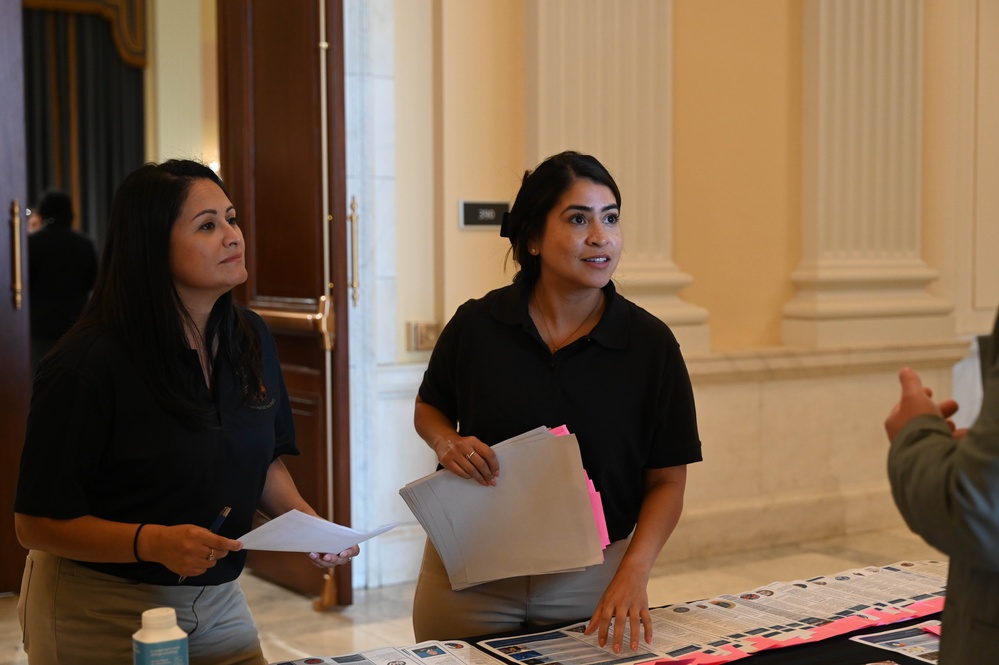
<point x="478" y="215"/>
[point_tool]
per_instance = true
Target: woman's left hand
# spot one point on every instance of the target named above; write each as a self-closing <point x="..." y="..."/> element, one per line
<point x="281" y="495"/>
<point x="626" y="603"/>
<point x="333" y="560"/>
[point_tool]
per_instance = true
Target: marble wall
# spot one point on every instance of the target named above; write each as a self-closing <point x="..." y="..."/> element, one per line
<point x="793" y="440"/>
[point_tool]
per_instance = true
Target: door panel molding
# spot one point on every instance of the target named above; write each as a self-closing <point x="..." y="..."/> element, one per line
<point x="283" y="162"/>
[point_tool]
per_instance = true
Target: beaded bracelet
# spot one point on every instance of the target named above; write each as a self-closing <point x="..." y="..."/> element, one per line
<point x="135" y="542"/>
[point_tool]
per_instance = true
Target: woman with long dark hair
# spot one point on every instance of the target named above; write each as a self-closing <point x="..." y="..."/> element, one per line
<point x="162" y="409"/>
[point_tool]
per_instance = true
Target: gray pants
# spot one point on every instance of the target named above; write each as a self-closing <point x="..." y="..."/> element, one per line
<point x="72" y="614"/>
<point x="510" y="604"/>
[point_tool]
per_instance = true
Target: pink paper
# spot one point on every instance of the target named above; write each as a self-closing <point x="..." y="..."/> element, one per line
<point x="598" y="513"/>
<point x="928" y="606"/>
<point x="596" y="503"/>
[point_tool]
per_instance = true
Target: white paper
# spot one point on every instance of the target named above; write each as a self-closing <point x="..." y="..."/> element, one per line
<point x="297" y="532"/>
<point x="913" y="641"/>
<point x="451" y="652"/>
<point x="732" y="626"/>
<point x="541" y="498"/>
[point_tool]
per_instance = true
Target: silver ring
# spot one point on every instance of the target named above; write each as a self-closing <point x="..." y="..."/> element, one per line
<point x="211" y="557"/>
<point x="469" y="455"/>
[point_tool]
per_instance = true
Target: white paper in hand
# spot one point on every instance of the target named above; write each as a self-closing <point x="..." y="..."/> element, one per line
<point x="537" y="519"/>
<point x="297" y="532"/>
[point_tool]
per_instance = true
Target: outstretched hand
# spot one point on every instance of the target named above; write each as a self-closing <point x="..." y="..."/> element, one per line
<point x="917" y="400"/>
<point x="626" y="603"/>
<point x="329" y="560"/>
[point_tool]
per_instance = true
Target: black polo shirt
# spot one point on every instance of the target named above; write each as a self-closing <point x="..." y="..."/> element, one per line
<point x="98" y="443"/>
<point x="623" y="390"/>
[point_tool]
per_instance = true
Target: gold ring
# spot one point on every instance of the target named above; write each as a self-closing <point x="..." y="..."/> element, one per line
<point x="211" y="557"/>
<point x="469" y="455"/>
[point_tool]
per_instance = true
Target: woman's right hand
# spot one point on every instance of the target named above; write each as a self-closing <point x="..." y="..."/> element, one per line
<point x="469" y="458"/>
<point x="186" y="549"/>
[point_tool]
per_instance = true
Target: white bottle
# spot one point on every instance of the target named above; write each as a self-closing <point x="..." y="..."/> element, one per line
<point x="160" y="641"/>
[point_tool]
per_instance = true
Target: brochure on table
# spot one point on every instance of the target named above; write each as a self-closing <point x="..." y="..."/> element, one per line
<point x="730" y="627"/>
<point x="921" y="642"/>
<point x="451" y="652"/>
<point x="722" y="629"/>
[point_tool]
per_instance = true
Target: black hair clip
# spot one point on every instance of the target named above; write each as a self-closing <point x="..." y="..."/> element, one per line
<point x="505" y="225"/>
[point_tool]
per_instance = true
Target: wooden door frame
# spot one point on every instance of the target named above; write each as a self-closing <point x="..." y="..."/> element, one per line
<point x="236" y="121"/>
<point x="338" y="286"/>
<point x="15" y="379"/>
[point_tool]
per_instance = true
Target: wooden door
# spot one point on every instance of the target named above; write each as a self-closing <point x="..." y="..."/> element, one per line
<point x="282" y="141"/>
<point x="15" y="378"/>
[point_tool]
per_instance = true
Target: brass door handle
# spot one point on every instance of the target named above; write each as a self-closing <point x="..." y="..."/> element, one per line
<point x="320" y="321"/>
<point x="325" y="315"/>
<point x="17" y="285"/>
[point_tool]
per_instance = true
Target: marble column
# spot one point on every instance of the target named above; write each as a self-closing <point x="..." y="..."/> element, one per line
<point x="862" y="278"/>
<point x="574" y="95"/>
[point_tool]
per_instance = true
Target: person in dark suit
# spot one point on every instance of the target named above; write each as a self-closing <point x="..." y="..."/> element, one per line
<point x="62" y="268"/>
<point x="945" y="482"/>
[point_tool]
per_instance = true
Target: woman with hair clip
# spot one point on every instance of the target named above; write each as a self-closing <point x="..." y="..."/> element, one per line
<point x="561" y="346"/>
<point x="156" y="431"/>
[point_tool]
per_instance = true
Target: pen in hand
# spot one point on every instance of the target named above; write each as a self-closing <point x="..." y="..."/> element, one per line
<point x="217" y="524"/>
<point x="214" y="528"/>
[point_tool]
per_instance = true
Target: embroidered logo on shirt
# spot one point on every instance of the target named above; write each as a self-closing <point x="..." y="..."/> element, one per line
<point x="259" y="401"/>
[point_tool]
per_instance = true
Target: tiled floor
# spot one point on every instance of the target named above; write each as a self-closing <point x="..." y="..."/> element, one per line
<point x="290" y="628"/>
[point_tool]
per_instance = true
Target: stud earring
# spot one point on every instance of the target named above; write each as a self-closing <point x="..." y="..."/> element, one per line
<point x="533" y="251"/>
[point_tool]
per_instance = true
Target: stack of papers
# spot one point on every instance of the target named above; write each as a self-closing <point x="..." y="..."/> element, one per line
<point x="537" y="519"/>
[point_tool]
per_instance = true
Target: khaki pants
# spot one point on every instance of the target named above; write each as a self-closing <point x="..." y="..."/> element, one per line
<point x="72" y="614"/>
<point x="510" y="604"/>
